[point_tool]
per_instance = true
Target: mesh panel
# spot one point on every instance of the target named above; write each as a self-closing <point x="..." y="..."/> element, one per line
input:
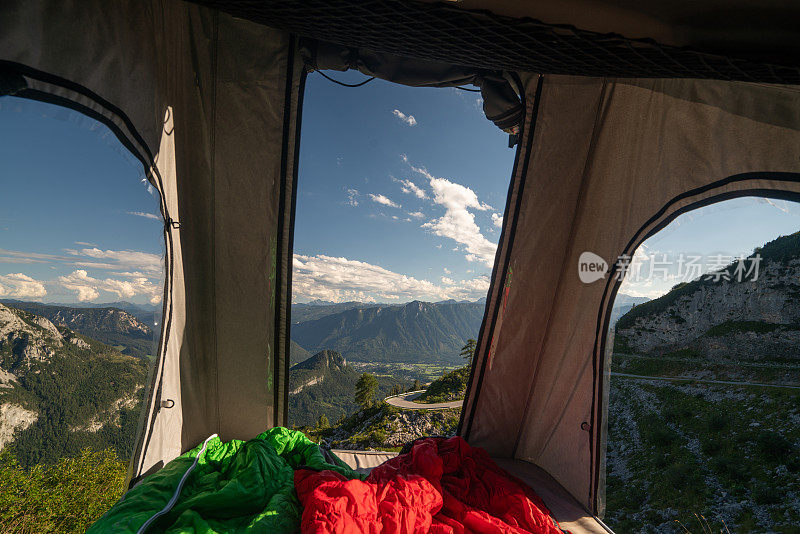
<point x="484" y="40"/>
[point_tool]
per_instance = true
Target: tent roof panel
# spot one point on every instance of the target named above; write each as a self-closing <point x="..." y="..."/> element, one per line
<point x="487" y="40"/>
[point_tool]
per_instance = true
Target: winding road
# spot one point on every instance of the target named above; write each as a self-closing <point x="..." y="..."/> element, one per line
<point x="707" y="381"/>
<point x="405" y="401"/>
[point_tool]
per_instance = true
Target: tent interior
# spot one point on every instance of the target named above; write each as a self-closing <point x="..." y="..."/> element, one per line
<point x="624" y="115"/>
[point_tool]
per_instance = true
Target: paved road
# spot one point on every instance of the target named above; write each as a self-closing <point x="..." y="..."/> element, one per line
<point x="688" y="379"/>
<point x="404" y="400"/>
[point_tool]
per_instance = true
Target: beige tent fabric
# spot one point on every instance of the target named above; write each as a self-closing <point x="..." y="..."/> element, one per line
<point x="609" y="161"/>
<point x="202" y="96"/>
<point x="363" y="461"/>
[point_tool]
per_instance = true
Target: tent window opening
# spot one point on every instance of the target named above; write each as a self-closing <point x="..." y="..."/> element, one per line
<point x="81" y="282"/>
<point x="401" y="195"/>
<point x="704" y="361"/>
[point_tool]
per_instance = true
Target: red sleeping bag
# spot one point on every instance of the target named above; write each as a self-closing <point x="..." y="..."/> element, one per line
<point x="441" y="486"/>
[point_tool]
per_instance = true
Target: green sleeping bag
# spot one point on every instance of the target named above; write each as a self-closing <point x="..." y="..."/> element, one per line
<point x="223" y="487"/>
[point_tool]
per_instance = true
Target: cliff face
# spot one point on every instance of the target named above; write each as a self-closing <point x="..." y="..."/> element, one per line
<point x="25" y="339"/>
<point x="750" y="319"/>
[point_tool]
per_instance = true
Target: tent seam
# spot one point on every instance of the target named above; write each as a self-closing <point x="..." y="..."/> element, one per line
<point x="509" y="245"/>
<point x="215" y="71"/>
<point x="280" y="236"/>
<point x="488" y="306"/>
<point x="292" y="213"/>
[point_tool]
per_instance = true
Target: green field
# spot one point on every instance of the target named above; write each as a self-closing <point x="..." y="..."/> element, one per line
<point x="423" y="372"/>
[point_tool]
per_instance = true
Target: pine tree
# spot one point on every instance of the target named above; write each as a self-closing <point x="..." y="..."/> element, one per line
<point x="366" y="387"/>
<point x="416" y="386"/>
<point x="468" y="350"/>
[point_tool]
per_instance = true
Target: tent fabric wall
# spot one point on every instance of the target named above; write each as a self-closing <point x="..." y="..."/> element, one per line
<point x="209" y="104"/>
<point x="603" y="163"/>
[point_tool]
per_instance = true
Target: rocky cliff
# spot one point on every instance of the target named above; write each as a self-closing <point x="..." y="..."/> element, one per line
<point x="719" y="318"/>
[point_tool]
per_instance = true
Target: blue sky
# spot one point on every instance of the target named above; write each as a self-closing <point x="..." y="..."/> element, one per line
<point x="713" y="236"/>
<point x="76" y="221"/>
<point x="400" y="196"/>
<point x="400" y="193"/>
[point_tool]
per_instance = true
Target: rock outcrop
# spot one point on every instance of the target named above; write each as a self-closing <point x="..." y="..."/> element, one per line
<point x="14" y="418"/>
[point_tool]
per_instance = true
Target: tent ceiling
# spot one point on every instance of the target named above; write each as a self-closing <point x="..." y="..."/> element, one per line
<point x="487" y="40"/>
<point x="740" y="28"/>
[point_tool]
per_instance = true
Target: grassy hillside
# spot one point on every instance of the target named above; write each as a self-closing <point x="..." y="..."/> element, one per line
<point x="385" y="427"/>
<point x="728" y="453"/>
<point x="449" y="387"/>
<point x="65" y="497"/>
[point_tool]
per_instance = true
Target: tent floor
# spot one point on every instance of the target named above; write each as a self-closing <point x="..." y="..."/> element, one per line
<point x="571" y="516"/>
<point x="569" y="513"/>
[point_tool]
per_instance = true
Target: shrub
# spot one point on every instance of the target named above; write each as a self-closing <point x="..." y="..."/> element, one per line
<point x="67" y="496"/>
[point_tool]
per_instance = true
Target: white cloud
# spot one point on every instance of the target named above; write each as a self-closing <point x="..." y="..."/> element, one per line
<point x="89" y="288"/>
<point x="446" y="270"/>
<point x="447" y="281"/>
<point x="116" y="259"/>
<point x="380" y="199"/>
<point x="408" y="119"/>
<point x="458" y="223"/>
<point x="478" y="285"/>
<point x="143" y="214"/>
<point x="409" y="187"/>
<point x="341" y="279"/>
<point x="352" y="197"/>
<point x="92" y="258"/>
<point x="18" y="285"/>
<point x="497" y="219"/>
<point x="416" y="214"/>
<point x="85" y="244"/>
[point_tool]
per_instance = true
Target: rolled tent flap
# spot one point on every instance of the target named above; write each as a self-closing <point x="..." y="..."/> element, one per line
<point x="210" y="105"/>
<point x="501" y="103"/>
<point x="603" y="164"/>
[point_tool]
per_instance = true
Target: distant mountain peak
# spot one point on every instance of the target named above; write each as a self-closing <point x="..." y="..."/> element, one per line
<point x="324" y="359"/>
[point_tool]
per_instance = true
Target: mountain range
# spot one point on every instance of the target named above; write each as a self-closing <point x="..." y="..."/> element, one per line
<point x="61" y="391"/>
<point x="417" y="332"/>
<point x="124" y="330"/>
